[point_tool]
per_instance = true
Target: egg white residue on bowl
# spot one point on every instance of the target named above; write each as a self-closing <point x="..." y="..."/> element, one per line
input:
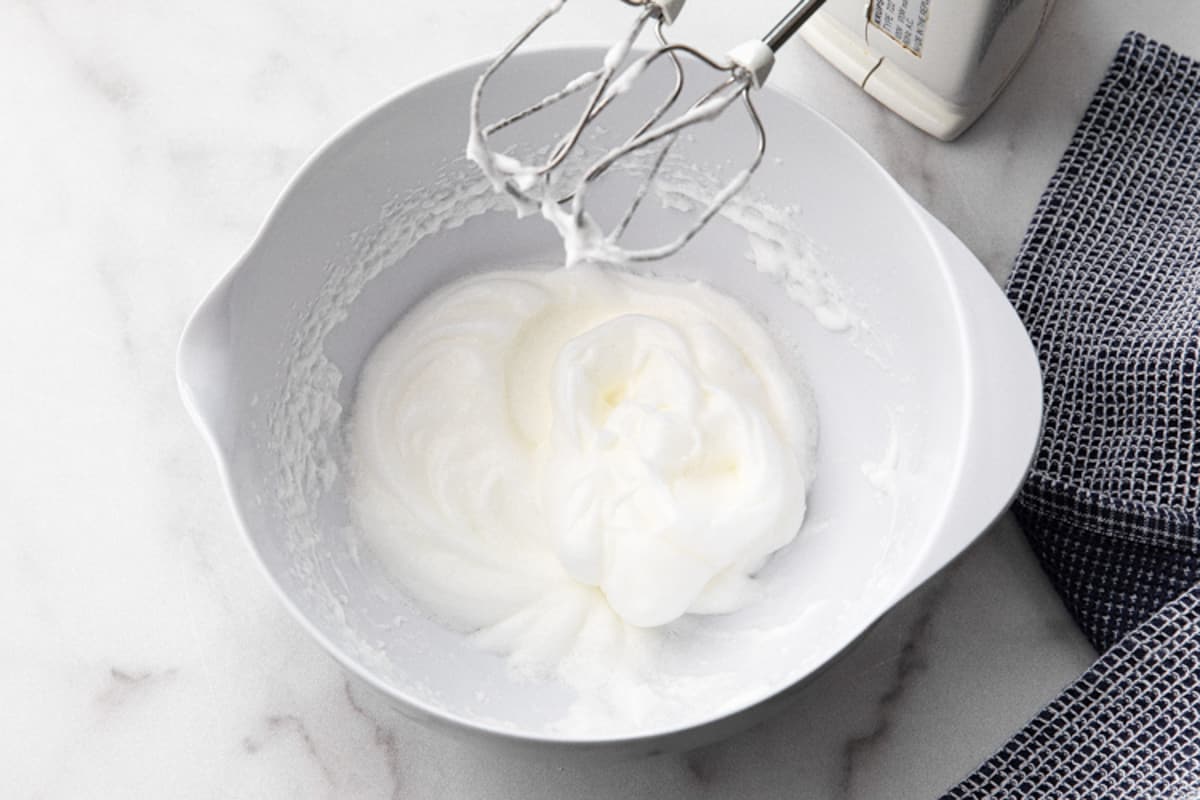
<point x="307" y="419"/>
<point x="666" y="679"/>
<point x="775" y="248"/>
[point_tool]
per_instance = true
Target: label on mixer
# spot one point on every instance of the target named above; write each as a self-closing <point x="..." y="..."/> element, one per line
<point x="903" y="20"/>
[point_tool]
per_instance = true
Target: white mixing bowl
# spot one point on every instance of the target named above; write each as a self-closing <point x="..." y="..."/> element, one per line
<point x="269" y="363"/>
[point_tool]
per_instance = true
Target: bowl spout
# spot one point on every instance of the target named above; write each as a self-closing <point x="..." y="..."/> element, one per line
<point x="203" y="366"/>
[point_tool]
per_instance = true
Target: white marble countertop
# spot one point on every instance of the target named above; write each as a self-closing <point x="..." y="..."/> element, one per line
<point x="143" y="653"/>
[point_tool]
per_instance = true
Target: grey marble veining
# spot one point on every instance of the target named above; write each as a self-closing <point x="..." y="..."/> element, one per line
<point x="144" y="654"/>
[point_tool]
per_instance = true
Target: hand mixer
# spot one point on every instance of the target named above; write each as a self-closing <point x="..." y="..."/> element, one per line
<point x="745" y="67"/>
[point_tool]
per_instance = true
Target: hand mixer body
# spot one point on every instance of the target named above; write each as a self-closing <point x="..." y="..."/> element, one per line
<point x="937" y="63"/>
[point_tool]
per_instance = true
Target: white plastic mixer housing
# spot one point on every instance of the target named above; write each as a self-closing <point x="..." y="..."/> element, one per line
<point x="937" y="63"/>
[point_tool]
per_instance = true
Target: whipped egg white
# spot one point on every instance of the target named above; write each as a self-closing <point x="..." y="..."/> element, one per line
<point x="550" y="458"/>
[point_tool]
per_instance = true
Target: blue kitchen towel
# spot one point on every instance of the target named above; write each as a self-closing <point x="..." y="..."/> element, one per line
<point x="1108" y="284"/>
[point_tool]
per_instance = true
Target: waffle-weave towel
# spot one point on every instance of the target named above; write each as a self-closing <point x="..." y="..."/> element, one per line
<point x="1108" y="284"/>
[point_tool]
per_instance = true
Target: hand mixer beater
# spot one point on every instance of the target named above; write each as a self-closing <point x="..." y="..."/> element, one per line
<point x="533" y="186"/>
